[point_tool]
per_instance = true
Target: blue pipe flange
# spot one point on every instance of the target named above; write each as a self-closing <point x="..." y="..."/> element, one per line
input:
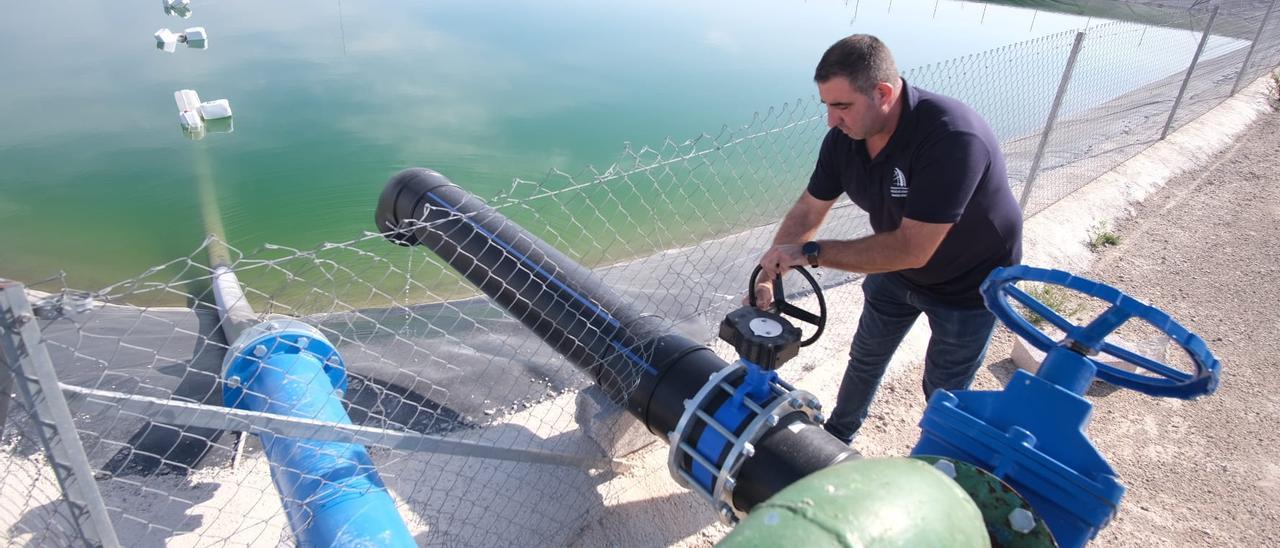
<point x="715" y="478"/>
<point x="331" y="491"/>
<point x="279" y="334"/>
<point x="1089" y="340"/>
<point x="678" y="438"/>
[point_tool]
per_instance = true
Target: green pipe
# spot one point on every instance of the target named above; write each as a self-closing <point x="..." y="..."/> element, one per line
<point x="885" y="502"/>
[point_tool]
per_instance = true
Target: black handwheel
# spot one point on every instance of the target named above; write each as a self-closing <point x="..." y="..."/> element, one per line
<point x="782" y="307"/>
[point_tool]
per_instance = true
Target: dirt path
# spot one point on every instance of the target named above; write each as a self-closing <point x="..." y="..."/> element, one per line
<point x="1204" y="249"/>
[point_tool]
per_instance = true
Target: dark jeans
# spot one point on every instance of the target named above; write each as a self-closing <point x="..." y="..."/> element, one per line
<point x="956" y="348"/>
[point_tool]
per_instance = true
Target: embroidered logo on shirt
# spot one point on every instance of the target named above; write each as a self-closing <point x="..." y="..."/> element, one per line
<point x="899" y="187"/>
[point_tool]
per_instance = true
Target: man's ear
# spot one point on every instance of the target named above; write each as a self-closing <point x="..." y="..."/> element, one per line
<point x="884" y="94"/>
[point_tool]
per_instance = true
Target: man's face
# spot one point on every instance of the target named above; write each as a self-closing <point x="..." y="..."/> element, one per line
<point x="856" y="114"/>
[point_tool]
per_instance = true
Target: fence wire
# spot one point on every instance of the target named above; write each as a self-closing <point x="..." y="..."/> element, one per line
<point x="673" y="229"/>
<point x="461" y="368"/>
<point x="31" y="506"/>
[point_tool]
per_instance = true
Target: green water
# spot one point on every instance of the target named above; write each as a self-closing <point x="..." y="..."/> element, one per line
<point x="331" y="98"/>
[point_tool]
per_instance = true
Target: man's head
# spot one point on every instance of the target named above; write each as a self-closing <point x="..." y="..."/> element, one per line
<point x="858" y="81"/>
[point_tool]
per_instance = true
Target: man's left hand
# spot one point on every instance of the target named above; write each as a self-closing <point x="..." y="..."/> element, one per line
<point x="781" y="258"/>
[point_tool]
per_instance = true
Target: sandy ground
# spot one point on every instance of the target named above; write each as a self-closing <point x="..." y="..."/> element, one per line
<point x="1204" y="250"/>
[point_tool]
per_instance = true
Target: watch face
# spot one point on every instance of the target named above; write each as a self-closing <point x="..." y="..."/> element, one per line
<point x="810" y="251"/>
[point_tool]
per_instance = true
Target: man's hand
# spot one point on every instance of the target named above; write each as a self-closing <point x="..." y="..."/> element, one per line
<point x="764" y="294"/>
<point x="778" y="260"/>
<point x="800" y="225"/>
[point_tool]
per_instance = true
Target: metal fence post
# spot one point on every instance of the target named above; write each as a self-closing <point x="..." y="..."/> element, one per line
<point x="1249" y="56"/>
<point x="26" y="358"/>
<point x="6" y="390"/>
<point x="1053" y="117"/>
<point x="1204" y="39"/>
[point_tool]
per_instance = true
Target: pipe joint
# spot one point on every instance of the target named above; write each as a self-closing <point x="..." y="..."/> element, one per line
<point x="720" y="428"/>
<point x="276" y="336"/>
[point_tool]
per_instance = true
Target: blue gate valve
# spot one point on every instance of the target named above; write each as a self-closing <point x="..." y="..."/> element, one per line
<point x="1031" y="434"/>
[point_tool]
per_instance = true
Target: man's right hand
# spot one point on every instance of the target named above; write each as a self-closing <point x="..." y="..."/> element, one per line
<point x="800" y="225"/>
<point x="776" y="261"/>
<point x="764" y="294"/>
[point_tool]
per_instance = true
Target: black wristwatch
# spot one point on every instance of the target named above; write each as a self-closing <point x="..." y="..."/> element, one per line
<point x="811" y="250"/>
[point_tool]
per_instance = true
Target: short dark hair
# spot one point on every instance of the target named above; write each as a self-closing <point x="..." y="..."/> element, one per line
<point x="862" y="58"/>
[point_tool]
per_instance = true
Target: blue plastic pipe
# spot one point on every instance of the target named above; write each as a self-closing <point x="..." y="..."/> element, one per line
<point x="331" y="491"/>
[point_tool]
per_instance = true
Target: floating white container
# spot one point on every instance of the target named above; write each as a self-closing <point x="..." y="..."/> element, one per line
<point x="187" y="99"/>
<point x="193" y="114"/>
<point x="221" y="125"/>
<point x="190" y="120"/>
<point x="166" y="36"/>
<point x="195" y="34"/>
<point x="213" y="110"/>
<point x="181" y="8"/>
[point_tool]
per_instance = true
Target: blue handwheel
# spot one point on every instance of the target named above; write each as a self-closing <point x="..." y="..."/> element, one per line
<point x="1088" y="339"/>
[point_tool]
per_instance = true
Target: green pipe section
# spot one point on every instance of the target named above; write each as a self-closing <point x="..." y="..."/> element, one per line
<point x="885" y="502"/>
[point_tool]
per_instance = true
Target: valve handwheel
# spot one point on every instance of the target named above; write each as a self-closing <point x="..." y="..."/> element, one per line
<point x="1089" y="339"/>
<point x="784" y="308"/>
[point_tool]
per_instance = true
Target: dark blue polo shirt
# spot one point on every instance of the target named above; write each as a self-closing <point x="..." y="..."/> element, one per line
<point x="942" y="165"/>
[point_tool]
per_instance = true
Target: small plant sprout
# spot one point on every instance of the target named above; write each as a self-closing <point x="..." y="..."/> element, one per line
<point x="1101" y="236"/>
<point x="1057" y="298"/>
<point x="1274" y="96"/>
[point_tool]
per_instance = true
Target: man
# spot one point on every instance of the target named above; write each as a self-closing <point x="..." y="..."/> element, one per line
<point x="929" y="172"/>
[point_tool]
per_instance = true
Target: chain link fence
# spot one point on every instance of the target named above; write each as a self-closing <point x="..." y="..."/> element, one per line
<point x="115" y="427"/>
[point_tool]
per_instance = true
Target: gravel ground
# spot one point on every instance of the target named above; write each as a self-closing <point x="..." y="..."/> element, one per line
<point x="1204" y="250"/>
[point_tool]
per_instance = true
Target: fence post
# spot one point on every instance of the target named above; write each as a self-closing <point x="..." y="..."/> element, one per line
<point x="1053" y="117"/>
<point x="6" y="389"/>
<point x="23" y="354"/>
<point x="1249" y="56"/>
<point x="1204" y="38"/>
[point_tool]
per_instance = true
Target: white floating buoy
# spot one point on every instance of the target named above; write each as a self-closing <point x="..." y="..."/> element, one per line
<point x="195" y="34"/>
<point x="197" y="117"/>
<point x="181" y="8"/>
<point x="190" y="120"/>
<point x="166" y="36"/>
<point x="166" y="40"/>
<point x="194" y="38"/>
<point x="188" y="103"/>
<point x="220" y="125"/>
<point x="213" y="110"/>
<point x="188" y="100"/>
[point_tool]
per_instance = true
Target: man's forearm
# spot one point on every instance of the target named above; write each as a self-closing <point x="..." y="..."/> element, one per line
<point x="800" y="225"/>
<point x="884" y="252"/>
<point x="911" y="245"/>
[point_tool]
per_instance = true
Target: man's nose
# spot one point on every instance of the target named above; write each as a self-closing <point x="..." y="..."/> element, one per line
<point x="832" y="119"/>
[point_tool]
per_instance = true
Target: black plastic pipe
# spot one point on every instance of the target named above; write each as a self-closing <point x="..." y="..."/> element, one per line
<point x="633" y="356"/>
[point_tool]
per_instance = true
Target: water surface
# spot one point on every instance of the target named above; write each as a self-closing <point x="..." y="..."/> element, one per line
<point x="331" y="98"/>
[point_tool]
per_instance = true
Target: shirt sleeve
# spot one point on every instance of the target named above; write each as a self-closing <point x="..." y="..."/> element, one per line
<point x="825" y="183"/>
<point x="946" y="173"/>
